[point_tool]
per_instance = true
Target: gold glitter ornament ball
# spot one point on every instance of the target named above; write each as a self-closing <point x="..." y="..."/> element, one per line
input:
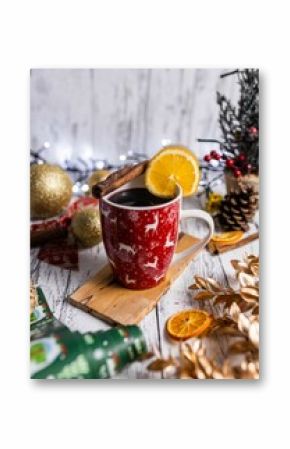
<point x="86" y="226"/>
<point x="96" y="177"/>
<point x="50" y="190"/>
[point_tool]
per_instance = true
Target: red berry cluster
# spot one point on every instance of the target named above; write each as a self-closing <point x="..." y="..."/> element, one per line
<point x="239" y="165"/>
<point x="213" y="155"/>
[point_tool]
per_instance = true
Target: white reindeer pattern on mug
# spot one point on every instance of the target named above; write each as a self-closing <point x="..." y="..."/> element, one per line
<point x="152" y="226"/>
<point x="168" y="242"/>
<point x="157" y="278"/>
<point x="128" y="248"/>
<point x="129" y="281"/>
<point x="151" y="264"/>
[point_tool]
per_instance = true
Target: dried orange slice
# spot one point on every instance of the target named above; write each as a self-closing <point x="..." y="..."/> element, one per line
<point x="188" y="323"/>
<point x="172" y="165"/>
<point x="227" y="238"/>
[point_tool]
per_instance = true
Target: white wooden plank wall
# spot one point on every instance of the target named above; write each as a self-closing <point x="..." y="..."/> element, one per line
<point x="106" y="112"/>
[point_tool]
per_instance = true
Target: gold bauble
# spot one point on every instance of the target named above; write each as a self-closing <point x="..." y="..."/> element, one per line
<point x="50" y="190"/>
<point x="86" y="226"/>
<point x="96" y="177"/>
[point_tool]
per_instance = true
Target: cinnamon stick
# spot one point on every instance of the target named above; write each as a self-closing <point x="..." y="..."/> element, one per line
<point x="218" y="248"/>
<point x="118" y="179"/>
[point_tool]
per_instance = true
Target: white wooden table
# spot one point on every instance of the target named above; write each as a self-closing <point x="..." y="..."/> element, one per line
<point x="58" y="283"/>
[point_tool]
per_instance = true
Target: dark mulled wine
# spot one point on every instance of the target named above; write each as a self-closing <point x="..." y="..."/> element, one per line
<point x="137" y="197"/>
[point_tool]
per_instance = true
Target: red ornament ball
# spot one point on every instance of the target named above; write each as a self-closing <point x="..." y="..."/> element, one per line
<point x="207" y="158"/>
<point x="230" y="163"/>
<point x="213" y="154"/>
<point x="237" y="173"/>
<point x="217" y="156"/>
<point x="241" y="157"/>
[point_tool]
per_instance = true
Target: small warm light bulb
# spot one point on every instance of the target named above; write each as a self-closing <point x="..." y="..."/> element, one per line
<point x="165" y="142"/>
<point x="122" y="157"/>
<point x="46" y="144"/>
<point x="100" y="165"/>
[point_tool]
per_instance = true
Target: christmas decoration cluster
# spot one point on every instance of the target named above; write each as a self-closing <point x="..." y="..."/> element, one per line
<point x="239" y="149"/>
<point x="235" y="321"/>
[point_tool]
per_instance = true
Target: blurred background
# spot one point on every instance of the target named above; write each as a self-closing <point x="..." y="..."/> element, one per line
<point x="106" y="113"/>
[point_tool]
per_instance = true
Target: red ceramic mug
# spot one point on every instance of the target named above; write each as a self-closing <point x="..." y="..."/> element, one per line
<point x="140" y="241"/>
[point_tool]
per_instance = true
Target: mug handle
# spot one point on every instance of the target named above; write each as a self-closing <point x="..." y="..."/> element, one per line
<point x="196" y="213"/>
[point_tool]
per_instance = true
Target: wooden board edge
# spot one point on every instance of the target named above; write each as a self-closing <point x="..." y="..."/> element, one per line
<point x="92" y="312"/>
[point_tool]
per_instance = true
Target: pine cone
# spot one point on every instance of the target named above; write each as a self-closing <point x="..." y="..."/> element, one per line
<point x="238" y="209"/>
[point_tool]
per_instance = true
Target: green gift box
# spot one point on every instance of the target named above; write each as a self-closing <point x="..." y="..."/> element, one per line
<point x="57" y="353"/>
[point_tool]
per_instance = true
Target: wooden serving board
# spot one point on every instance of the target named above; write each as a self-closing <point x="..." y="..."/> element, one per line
<point x="104" y="298"/>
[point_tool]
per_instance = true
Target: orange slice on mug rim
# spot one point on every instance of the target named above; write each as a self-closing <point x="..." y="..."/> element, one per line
<point x="173" y="165"/>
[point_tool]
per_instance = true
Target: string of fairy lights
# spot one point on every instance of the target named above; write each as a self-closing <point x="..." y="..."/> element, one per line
<point x="81" y="168"/>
